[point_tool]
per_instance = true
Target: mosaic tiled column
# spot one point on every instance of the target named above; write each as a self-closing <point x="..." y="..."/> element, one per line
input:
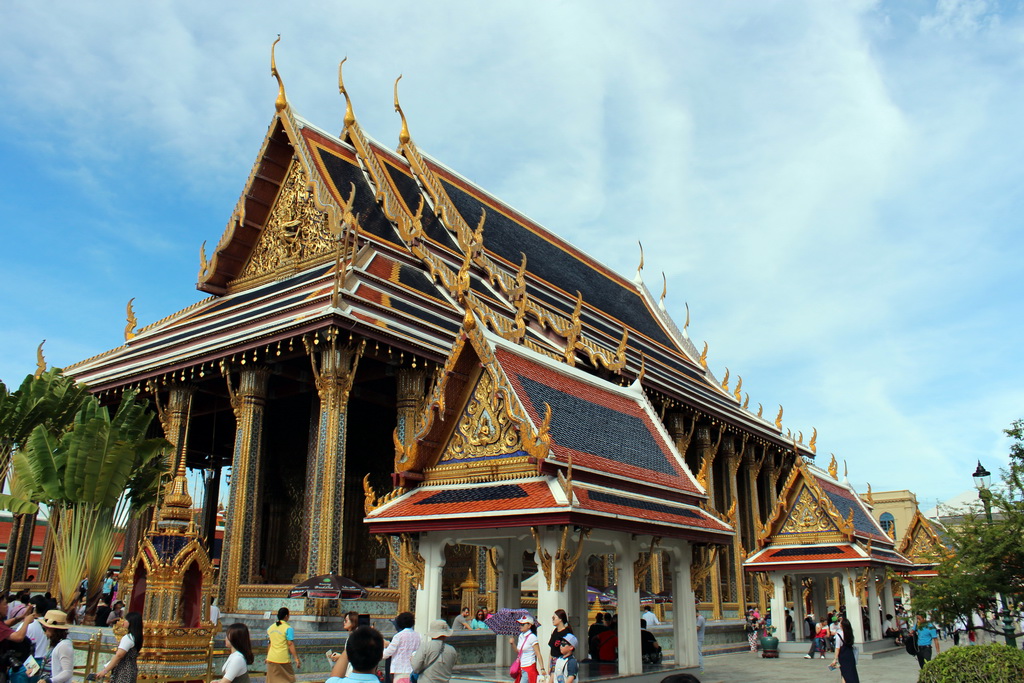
<point x="752" y="473"/>
<point x="732" y="466"/>
<point x="707" y="456"/>
<point x="334" y="369"/>
<point x="241" y="524"/>
<point x="411" y="387"/>
<point x="18" y="548"/>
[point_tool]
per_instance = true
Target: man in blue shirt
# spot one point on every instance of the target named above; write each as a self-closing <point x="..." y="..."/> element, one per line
<point x="926" y="635"/>
<point x="364" y="648"/>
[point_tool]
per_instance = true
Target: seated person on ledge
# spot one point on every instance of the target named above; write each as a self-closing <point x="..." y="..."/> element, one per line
<point x="650" y="648"/>
<point x="605" y="646"/>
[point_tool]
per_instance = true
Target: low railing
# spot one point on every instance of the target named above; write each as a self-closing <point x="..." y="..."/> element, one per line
<point x="95" y="651"/>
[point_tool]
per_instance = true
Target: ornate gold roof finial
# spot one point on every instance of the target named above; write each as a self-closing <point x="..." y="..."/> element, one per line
<point x="129" y="328"/>
<point x="801" y="437"/>
<point x="725" y="381"/>
<point x="813" y="445"/>
<point x="641" y="266"/>
<point x="846" y="471"/>
<point x="746" y="401"/>
<point x="687" y="323"/>
<point x="833" y="468"/>
<point x="739" y="385"/>
<point x="643" y="369"/>
<point x="40" y="361"/>
<point x="778" y="419"/>
<point x="664" y="291"/>
<point x="704" y="356"/>
<point x="869" y="497"/>
<point x="350" y="117"/>
<point x="760" y="410"/>
<point x="281" y="103"/>
<point x="403" y="135"/>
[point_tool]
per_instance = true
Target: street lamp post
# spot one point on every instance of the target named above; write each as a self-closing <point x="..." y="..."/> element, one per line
<point x="982" y="481"/>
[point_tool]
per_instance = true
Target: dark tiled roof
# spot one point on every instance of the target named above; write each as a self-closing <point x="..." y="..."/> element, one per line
<point x="810" y="550"/>
<point x="603" y="429"/>
<point x="805" y="553"/>
<point x="466" y="501"/>
<point x="846" y="500"/>
<point x="410" y="193"/>
<point x="343" y="174"/>
<point x="646" y="509"/>
<point x="509" y="239"/>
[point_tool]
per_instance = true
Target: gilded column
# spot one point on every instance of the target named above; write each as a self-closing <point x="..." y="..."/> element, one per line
<point x="733" y="460"/>
<point x="411" y="388"/>
<point x="241" y="524"/>
<point x="753" y="472"/>
<point x="334" y="369"/>
<point x="708" y="452"/>
<point x="19" y="546"/>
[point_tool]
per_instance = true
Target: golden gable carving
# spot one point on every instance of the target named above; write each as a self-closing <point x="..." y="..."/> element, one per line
<point x="486" y="428"/>
<point x="296" y="235"/>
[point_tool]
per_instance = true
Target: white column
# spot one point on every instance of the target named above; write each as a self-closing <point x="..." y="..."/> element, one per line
<point x="630" y="660"/>
<point x="578" y="607"/>
<point x="549" y="596"/>
<point x="779" y="605"/>
<point x="428" y="598"/>
<point x="505" y="596"/>
<point x="873" y="616"/>
<point x="819" y="596"/>
<point x="888" y="604"/>
<point x="798" y="607"/>
<point x="684" y="613"/>
<point x="853" y="606"/>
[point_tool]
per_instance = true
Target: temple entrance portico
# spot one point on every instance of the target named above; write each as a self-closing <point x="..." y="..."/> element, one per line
<point x="822" y="537"/>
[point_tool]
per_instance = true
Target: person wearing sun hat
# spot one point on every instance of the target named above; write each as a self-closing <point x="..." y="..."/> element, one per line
<point x="528" y="652"/>
<point x="59" y="664"/>
<point x="435" y="661"/>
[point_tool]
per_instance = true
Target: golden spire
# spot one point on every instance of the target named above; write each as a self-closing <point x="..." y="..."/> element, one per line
<point x="725" y="381"/>
<point x="176" y="510"/>
<point x="833" y="468"/>
<point x="814" y="440"/>
<point x="40" y="361"/>
<point x="129" y="328"/>
<point x="778" y="419"/>
<point x="739" y="385"/>
<point x="403" y="135"/>
<point x="704" y="356"/>
<point x="281" y="103"/>
<point x="350" y="117"/>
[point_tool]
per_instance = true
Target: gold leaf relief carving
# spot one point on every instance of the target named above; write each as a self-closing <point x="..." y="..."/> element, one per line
<point x="295" y="234"/>
<point x="486" y="427"/>
<point x="807" y="516"/>
<point x="922" y="548"/>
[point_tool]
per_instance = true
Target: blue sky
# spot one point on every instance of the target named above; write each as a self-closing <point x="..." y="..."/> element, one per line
<point x="833" y="187"/>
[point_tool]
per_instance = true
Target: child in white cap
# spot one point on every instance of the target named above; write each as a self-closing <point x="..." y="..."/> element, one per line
<point x="566" y="667"/>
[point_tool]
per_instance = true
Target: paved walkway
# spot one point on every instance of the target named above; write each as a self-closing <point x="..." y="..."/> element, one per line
<point x="747" y="668"/>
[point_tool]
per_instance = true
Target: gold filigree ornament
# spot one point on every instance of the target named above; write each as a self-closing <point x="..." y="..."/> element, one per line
<point x="40" y="361"/>
<point x="643" y="563"/>
<point x="778" y="420"/>
<point x="807" y="517"/>
<point x="281" y="103"/>
<point x="833" y="468"/>
<point x="485" y="429"/>
<point x="813" y="445"/>
<point x="704" y="356"/>
<point x="406" y="557"/>
<point x="131" y="321"/>
<point x="296" y="233"/>
<point x="725" y="381"/>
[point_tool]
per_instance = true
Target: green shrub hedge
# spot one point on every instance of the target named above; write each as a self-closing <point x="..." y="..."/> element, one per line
<point x="988" y="663"/>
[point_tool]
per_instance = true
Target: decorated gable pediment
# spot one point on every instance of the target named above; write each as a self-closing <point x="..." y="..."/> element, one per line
<point x="923" y="543"/>
<point x="808" y="520"/>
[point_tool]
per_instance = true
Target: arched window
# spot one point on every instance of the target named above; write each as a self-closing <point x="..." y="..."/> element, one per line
<point x="888" y="523"/>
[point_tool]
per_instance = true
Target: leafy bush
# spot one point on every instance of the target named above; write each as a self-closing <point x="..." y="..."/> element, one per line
<point x="989" y="663"/>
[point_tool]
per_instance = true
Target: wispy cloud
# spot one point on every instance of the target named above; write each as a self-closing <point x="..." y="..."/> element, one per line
<point x="833" y="187"/>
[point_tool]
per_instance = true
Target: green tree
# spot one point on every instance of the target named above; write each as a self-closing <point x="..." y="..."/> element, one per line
<point x="989" y="559"/>
<point x="94" y="475"/>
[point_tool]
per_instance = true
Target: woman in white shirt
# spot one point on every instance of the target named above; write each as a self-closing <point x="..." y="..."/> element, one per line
<point x="528" y="651"/>
<point x="402" y="647"/>
<point x="236" y="668"/>
<point x="123" y="668"/>
<point x="59" y="664"/>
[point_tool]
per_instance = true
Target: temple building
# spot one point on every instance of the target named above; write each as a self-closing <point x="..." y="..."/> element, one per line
<point x="403" y="373"/>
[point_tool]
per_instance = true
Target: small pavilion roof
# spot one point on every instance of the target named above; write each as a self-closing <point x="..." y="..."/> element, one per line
<point x="534" y="441"/>
<point x="820" y="523"/>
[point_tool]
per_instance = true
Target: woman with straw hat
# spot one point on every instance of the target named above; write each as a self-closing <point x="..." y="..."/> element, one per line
<point x="59" y="664"/>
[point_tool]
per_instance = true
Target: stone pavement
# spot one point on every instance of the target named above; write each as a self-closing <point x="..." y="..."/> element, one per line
<point x="748" y="668"/>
